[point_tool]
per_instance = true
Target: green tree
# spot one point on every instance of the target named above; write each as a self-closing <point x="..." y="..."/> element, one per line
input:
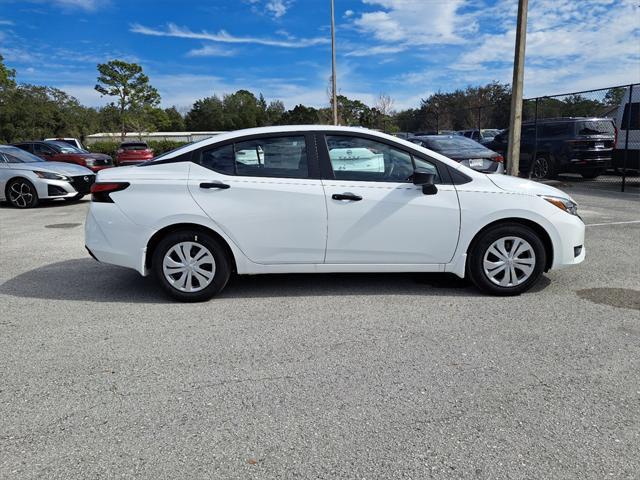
<point x="7" y="76"/>
<point x="299" y="115"/>
<point x="274" y="112"/>
<point x="130" y="86"/>
<point x="206" y="114"/>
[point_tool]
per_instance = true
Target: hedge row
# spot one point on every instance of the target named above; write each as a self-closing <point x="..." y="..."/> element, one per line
<point x="158" y="147"/>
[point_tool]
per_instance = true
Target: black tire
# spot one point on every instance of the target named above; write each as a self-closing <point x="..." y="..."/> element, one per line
<point x="543" y="167"/>
<point x="77" y="198"/>
<point x="21" y="193"/>
<point x="591" y="174"/>
<point x="475" y="260"/>
<point x="222" y="265"/>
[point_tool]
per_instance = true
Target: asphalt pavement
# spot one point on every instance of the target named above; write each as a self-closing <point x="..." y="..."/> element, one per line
<point x="318" y="376"/>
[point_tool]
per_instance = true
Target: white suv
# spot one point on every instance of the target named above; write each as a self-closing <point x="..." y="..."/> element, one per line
<point x="197" y="214"/>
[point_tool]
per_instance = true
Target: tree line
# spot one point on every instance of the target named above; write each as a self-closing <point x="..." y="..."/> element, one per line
<point x="33" y="111"/>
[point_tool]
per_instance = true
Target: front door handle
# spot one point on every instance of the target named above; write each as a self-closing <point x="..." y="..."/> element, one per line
<point x="346" y="196"/>
<point x="220" y="185"/>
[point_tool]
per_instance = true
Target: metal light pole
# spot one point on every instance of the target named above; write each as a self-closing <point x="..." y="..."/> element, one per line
<point x="334" y="95"/>
<point x="515" y="117"/>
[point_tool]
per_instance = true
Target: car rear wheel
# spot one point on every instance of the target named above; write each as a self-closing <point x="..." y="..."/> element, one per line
<point x="507" y="259"/>
<point x="543" y="168"/>
<point x="190" y="266"/>
<point x="22" y="194"/>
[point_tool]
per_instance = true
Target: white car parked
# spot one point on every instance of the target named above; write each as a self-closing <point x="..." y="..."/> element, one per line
<point x="26" y="179"/>
<point x="196" y="214"/>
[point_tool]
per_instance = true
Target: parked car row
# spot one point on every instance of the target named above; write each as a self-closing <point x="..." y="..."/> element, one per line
<point x="57" y="168"/>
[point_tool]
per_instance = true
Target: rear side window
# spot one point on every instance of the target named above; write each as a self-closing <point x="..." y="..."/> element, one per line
<point x="596" y="127"/>
<point x="134" y="146"/>
<point x="283" y="157"/>
<point x="635" y="117"/>
<point x="556" y="129"/>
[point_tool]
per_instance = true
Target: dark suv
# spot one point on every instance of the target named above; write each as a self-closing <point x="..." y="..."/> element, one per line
<point x="573" y="145"/>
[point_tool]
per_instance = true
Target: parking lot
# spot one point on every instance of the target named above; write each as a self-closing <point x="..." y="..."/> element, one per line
<point x="325" y="376"/>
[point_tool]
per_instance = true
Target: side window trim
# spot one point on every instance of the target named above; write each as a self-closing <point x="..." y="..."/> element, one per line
<point x="326" y="170"/>
<point x="310" y="143"/>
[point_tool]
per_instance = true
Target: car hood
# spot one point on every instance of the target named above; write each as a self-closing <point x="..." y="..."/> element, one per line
<point x="522" y="185"/>
<point x="70" y="169"/>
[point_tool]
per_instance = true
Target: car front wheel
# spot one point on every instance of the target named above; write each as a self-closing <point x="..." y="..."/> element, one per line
<point x="191" y="266"/>
<point x="507" y="259"/>
<point x="22" y="194"/>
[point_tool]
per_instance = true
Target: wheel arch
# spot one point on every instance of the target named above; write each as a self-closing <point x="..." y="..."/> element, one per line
<point x="536" y="227"/>
<point x="189" y="227"/>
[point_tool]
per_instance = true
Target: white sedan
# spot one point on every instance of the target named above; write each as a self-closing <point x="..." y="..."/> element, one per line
<point x="325" y="199"/>
<point x="26" y="179"/>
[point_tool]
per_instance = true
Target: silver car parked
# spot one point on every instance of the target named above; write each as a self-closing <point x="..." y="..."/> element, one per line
<point x="25" y="179"/>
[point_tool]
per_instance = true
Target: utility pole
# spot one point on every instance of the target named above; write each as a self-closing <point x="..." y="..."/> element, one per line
<point x="515" y="117"/>
<point x="334" y="95"/>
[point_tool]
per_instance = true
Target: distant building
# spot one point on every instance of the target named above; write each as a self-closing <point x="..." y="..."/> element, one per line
<point x="150" y="136"/>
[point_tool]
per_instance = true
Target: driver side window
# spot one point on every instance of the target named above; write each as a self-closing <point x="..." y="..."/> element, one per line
<point x="361" y="159"/>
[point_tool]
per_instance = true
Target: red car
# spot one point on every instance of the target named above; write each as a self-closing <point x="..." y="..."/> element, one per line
<point x="63" y="152"/>
<point x="133" y="153"/>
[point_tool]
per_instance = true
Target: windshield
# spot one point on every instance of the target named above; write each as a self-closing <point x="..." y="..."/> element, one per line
<point x="453" y="142"/>
<point x="17" y="155"/>
<point x="490" y="132"/>
<point x="596" y="127"/>
<point x="66" y="148"/>
<point x="133" y="146"/>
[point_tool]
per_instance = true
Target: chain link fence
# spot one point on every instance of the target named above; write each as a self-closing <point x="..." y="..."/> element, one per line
<point x="590" y="137"/>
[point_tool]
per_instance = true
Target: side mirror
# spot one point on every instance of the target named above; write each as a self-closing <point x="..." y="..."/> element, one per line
<point x="426" y="180"/>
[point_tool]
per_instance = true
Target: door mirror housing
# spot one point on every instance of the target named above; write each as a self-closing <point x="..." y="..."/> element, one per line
<point x="426" y="180"/>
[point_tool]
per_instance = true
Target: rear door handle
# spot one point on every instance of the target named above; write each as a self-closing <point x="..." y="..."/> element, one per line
<point x="346" y="196"/>
<point x="220" y="185"/>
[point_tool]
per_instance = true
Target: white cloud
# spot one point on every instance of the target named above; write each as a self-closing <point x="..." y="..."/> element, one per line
<point x="277" y="8"/>
<point x="222" y="36"/>
<point x="348" y="13"/>
<point x="570" y="45"/>
<point x="211" y="51"/>
<point x="87" y="5"/>
<point x="6" y="22"/>
<point x="374" y="50"/>
<point x="416" y="22"/>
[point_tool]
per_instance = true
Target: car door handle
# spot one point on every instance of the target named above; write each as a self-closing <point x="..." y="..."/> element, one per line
<point x="220" y="185"/>
<point x="346" y="196"/>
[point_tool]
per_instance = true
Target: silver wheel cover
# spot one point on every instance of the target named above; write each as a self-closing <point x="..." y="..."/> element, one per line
<point x="509" y="261"/>
<point x="189" y="267"/>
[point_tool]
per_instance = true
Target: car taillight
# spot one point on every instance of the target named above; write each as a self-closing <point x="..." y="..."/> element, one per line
<point x="100" y="191"/>
<point x="499" y="159"/>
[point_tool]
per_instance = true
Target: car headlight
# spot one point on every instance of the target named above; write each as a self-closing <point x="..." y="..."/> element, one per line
<point x="90" y="162"/>
<point x="563" y="204"/>
<point x="52" y="176"/>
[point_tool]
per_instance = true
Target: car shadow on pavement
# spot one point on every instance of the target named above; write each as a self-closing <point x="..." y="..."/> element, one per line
<point x="87" y="280"/>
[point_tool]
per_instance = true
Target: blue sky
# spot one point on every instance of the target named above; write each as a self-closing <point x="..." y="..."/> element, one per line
<point x="404" y="48"/>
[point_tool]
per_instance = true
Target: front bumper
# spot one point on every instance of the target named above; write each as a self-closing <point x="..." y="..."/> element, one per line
<point x="570" y="230"/>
